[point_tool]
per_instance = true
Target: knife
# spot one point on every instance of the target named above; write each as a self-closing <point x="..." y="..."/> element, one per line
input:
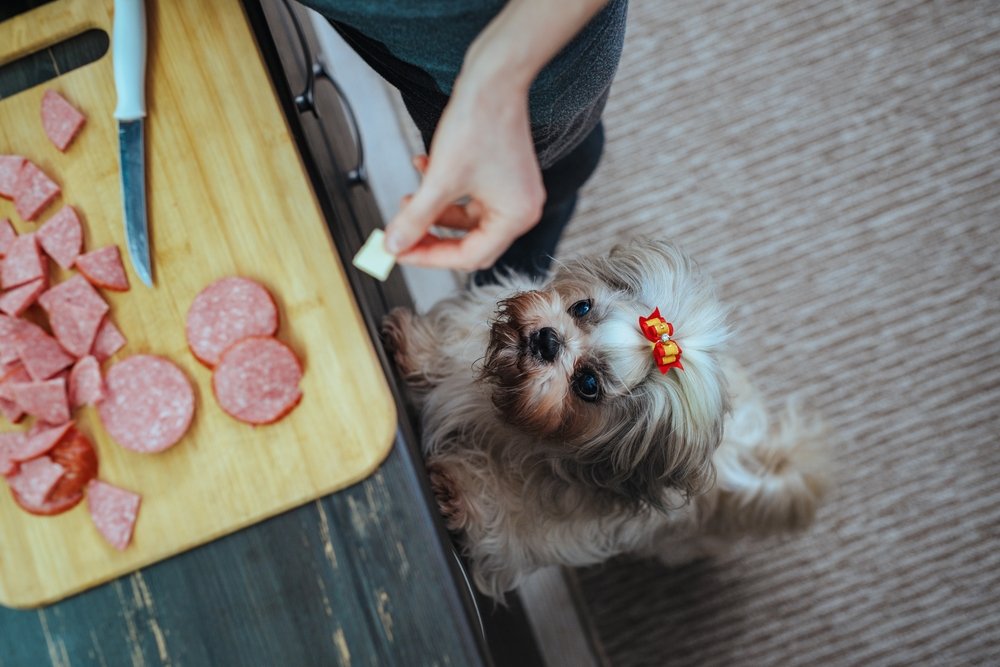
<point x="128" y="55"/>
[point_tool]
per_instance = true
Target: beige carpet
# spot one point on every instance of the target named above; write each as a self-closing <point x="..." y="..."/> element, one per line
<point x="836" y="166"/>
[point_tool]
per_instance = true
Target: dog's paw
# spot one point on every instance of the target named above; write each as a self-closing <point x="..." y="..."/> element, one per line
<point x="395" y="326"/>
<point x="447" y="496"/>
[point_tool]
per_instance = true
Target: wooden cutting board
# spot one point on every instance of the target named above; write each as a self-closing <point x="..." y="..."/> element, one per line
<point x="227" y="195"/>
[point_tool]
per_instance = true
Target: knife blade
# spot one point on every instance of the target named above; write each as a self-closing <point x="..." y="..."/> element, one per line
<point x="128" y="55"/>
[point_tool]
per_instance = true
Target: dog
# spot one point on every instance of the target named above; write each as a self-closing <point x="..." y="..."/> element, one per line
<point x="596" y="413"/>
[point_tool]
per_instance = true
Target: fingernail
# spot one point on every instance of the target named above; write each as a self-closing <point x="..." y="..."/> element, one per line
<point x="393" y="244"/>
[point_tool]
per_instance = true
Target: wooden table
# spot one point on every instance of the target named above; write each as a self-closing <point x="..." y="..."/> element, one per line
<point x="363" y="576"/>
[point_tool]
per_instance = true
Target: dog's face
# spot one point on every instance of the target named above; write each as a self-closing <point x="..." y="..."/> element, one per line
<point x="570" y="365"/>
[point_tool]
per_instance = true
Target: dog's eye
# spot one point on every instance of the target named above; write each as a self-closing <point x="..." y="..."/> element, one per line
<point x="586" y="385"/>
<point x="580" y="308"/>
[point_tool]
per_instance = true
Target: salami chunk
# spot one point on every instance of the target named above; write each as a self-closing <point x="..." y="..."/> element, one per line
<point x="114" y="511"/>
<point x="75" y="290"/>
<point x="76" y="455"/>
<point x="86" y="386"/>
<point x="40" y="440"/>
<point x="10" y="444"/>
<point x="108" y="341"/>
<point x="60" y="119"/>
<point x="23" y="263"/>
<point x="46" y="400"/>
<point x="225" y="312"/>
<point x="62" y="237"/>
<point x="257" y="380"/>
<point x="148" y="404"/>
<point x="36" y="479"/>
<point x="103" y="267"/>
<point x="10" y="168"/>
<point x="33" y="191"/>
<point x="75" y="326"/>
<point x="16" y="301"/>
<point x="7" y="236"/>
<point x="41" y="355"/>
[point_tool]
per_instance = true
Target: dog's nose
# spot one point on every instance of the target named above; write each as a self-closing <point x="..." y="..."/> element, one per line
<point x="545" y="343"/>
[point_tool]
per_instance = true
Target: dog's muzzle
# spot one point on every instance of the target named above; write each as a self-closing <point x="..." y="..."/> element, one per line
<point x="544" y="344"/>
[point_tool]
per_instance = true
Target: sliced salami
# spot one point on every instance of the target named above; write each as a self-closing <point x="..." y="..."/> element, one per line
<point x="60" y="119"/>
<point x="108" y="341"/>
<point x="9" y="326"/>
<point x="10" y="169"/>
<point x="257" y="380"/>
<point x="41" y="355"/>
<point x="103" y="267"/>
<point x="14" y="376"/>
<point x="40" y="440"/>
<point x="46" y="400"/>
<point x="73" y="290"/>
<point x="76" y="455"/>
<point x="23" y="263"/>
<point x="10" y="444"/>
<point x="86" y="386"/>
<point x="225" y="312"/>
<point x="114" y="511"/>
<point x="35" y="480"/>
<point x="75" y="326"/>
<point x="148" y="404"/>
<point x="16" y="301"/>
<point x="7" y="236"/>
<point x="61" y="237"/>
<point x="33" y="191"/>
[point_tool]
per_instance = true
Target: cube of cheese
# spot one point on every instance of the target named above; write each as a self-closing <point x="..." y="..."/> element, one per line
<point x="373" y="258"/>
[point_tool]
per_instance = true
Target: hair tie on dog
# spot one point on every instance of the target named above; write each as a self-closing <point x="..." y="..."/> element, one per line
<point x="666" y="352"/>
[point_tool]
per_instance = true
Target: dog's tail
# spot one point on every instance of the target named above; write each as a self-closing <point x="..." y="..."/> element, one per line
<point x="769" y="480"/>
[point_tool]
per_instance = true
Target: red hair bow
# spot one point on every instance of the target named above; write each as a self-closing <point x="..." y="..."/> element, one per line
<point x="666" y="352"/>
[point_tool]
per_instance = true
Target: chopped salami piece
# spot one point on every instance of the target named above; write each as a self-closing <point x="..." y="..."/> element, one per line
<point x="10" y="168"/>
<point x="103" y="267"/>
<point x="108" y="341"/>
<point x="45" y="400"/>
<point x="33" y="191"/>
<point x="74" y="453"/>
<point x="7" y="236"/>
<point x="9" y="326"/>
<point x="86" y="386"/>
<point x="60" y="119"/>
<point x="74" y="290"/>
<point x="148" y="404"/>
<point x="10" y="411"/>
<point x="114" y="511"/>
<point x="40" y="440"/>
<point x="75" y="326"/>
<point x="41" y="355"/>
<point x="16" y="301"/>
<point x="16" y="375"/>
<point x="23" y="263"/>
<point x="61" y="237"/>
<point x="10" y="443"/>
<point x="225" y="312"/>
<point x="257" y="380"/>
<point x="36" y="480"/>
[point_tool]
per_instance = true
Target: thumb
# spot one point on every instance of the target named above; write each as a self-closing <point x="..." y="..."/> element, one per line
<point x="415" y="218"/>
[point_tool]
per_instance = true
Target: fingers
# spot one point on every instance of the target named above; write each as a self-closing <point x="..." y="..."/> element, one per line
<point x="478" y="249"/>
<point x="414" y="219"/>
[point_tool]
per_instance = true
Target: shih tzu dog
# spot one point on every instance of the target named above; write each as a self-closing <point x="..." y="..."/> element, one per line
<point x="597" y="414"/>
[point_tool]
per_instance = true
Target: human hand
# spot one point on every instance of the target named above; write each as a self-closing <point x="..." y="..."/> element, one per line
<point x="483" y="151"/>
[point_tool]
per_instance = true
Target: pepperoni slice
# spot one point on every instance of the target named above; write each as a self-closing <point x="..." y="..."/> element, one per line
<point x="114" y="511"/>
<point x="76" y="454"/>
<point x="60" y="119"/>
<point x="33" y="191"/>
<point x="148" y="405"/>
<point x="10" y="168"/>
<point x="103" y="267"/>
<point x="257" y="380"/>
<point x="61" y="237"/>
<point x="225" y="312"/>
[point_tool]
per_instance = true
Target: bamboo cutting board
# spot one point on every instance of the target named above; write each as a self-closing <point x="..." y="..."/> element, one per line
<point x="227" y="195"/>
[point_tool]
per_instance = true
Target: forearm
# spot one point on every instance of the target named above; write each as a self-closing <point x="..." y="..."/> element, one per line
<point x="523" y="38"/>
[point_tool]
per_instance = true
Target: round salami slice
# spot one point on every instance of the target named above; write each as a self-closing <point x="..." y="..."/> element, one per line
<point x="76" y="455"/>
<point x="148" y="403"/>
<point x="225" y="312"/>
<point x="257" y="380"/>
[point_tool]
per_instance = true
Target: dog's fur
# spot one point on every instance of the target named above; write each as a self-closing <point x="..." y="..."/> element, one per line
<point x="529" y="473"/>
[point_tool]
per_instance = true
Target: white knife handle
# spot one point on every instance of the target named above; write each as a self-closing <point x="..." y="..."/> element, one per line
<point x="128" y="55"/>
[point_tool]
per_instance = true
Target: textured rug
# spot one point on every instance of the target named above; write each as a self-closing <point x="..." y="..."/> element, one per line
<point x="836" y="167"/>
